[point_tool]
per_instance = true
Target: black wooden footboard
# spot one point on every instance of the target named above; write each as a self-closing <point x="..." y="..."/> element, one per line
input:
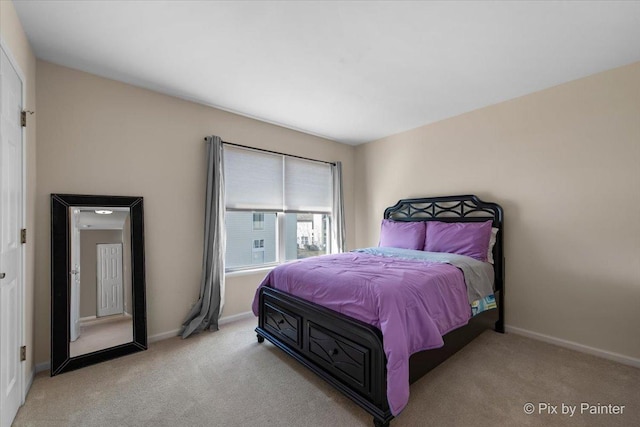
<point x="346" y="352"/>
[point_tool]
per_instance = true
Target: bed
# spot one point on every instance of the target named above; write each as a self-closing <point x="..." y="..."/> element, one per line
<point x="350" y="351"/>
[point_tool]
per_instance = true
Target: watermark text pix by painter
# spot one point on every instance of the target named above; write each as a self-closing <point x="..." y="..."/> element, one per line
<point x="570" y="410"/>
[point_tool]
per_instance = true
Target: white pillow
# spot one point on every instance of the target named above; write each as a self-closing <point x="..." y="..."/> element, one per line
<point x="492" y="242"/>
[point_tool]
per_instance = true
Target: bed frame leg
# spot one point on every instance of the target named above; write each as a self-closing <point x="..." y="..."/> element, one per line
<point x="260" y="338"/>
<point x="499" y="326"/>
<point x="378" y="423"/>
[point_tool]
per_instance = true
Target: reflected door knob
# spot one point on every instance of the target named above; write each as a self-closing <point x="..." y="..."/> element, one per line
<point x="3" y="275"/>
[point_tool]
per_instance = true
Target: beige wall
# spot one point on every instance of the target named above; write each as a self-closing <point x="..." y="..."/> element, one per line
<point x="15" y="41"/>
<point x="99" y="136"/>
<point x="564" y="164"/>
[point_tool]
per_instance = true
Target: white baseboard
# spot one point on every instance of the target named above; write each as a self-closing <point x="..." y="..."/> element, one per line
<point x="28" y="383"/>
<point x="163" y="336"/>
<point x="169" y="334"/>
<point x="240" y="316"/>
<point x="44" y="366"/>
<point x="223" y="321"/>
<point x="616" y="357"/>
<point x="29" y="380"/>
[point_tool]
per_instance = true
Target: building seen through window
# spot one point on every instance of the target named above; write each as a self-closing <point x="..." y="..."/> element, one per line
<point x="303" y="234"/>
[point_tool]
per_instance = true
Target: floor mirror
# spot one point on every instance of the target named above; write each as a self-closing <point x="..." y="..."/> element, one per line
<point x="98" y="307"/>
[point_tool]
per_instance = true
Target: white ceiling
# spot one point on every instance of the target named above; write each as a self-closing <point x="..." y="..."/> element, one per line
<point x="348" y="71"/>
<point x="89" y="219"/>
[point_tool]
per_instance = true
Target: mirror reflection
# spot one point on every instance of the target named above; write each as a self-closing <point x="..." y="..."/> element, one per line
<point x="101" y="294"/>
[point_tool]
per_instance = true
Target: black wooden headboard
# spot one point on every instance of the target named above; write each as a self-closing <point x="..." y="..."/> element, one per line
<point x="459" y="209"/>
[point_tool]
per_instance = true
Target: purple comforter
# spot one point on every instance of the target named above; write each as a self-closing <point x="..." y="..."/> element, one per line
<point x="413" y="303"/>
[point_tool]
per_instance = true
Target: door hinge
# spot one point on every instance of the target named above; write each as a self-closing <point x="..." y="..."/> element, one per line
<point x="23" y="236"/>
<point x="23" y="353"/>
<point x="23" y="117"/>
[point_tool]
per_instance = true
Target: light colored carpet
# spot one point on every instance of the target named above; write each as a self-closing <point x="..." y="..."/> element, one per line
<point x="102" y="333"/>
<point x="228" y="379"/>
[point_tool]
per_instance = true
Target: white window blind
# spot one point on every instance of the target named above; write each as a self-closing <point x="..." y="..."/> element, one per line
<point x="307" y="186"/>
<point x="253" y="180"/>
<point x="272" y="182"/>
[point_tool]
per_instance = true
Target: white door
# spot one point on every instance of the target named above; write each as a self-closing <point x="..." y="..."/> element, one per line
<point x="75" y="275"/>
<point x="10" y="245"/>
<point x="109" y="279"/>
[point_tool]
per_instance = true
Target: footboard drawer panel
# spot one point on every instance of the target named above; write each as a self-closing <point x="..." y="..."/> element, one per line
<point x="344" y="358"/>
<point x="283" y="324"/>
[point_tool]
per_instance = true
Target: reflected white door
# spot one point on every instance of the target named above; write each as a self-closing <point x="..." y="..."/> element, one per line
<point x="10" y="246"/>
<point x="109" y="293"/>
<point x="75" y="276"/>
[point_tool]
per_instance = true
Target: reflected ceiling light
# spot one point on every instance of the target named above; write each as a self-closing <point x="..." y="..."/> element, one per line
<point x="103" y="212"/>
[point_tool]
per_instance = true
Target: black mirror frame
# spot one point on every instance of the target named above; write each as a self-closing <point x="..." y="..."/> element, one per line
<point x="60" y="281"/>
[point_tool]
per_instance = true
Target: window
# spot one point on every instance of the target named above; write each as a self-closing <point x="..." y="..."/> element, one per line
<point x="246" y="246"/>
<point x="306" y="235"/>
<point x="258" y="221"/>
<point x="278" y="208"/>
<point x="257" y="256"/>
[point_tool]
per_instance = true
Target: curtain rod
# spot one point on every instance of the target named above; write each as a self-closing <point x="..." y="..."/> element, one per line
<point x="276" y="152"/>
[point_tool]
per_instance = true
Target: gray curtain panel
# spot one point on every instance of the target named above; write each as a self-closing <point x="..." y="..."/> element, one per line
<point x="338" y="209"/>
<point x="205" y="313"/>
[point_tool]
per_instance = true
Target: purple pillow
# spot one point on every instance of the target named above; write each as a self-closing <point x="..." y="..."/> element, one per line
<point x="463" y="238"/>
<point x="405" y="235"/>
